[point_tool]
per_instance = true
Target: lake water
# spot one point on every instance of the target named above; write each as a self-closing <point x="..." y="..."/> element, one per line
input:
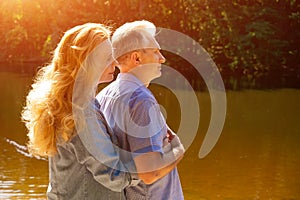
<point x="256" y="157"/>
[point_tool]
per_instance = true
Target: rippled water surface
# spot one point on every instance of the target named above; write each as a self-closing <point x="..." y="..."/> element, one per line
<point x="256" y="157"/>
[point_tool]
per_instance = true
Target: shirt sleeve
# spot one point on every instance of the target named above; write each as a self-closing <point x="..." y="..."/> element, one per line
<point x="146" y="127"/>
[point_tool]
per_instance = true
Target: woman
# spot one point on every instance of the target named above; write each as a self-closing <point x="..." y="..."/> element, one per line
<point x="57" y="113"/>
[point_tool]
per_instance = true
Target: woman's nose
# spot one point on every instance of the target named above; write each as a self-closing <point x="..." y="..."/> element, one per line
<point x="162" y="59"/>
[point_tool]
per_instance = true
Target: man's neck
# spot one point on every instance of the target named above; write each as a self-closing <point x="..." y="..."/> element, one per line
<point x="141" y="78"/>
<point x="138" y="74"/>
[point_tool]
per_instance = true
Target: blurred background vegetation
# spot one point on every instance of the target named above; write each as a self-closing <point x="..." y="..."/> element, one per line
<point x="255" y="43"/>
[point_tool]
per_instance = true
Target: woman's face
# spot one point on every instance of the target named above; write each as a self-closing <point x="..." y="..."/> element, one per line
<point x="108" y="73"/>
<point x="103" y="56"/>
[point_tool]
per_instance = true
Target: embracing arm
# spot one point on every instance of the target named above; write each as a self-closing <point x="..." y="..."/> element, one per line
<point x="95" y="148"/>
<point x="109" y="174"/>
<point x="152" y="166"/>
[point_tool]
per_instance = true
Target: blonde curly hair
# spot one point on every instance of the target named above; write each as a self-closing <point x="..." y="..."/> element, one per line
<point x="48" y="110"/>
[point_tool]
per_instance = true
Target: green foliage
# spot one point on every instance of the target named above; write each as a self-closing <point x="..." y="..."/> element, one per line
<point x="250" y="41"/>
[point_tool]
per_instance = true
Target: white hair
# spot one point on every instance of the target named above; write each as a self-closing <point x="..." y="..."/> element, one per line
<point x="133" y="36"/>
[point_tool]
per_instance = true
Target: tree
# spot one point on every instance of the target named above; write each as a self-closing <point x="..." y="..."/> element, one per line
<point x="250" y="41"/>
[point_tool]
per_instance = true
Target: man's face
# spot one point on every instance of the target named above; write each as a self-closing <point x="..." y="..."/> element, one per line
<point x="151" y="60"/>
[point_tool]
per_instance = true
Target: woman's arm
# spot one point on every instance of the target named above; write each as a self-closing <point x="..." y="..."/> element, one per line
<point x="152" y="166"/>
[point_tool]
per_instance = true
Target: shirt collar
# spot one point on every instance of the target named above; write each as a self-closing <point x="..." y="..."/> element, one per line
<point x="129" y="77"/>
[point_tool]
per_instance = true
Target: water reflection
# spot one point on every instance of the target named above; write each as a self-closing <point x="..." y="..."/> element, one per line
<point x="258" y="154"/>
<point x="21" y="177"/>
<point x="256" y="157"/>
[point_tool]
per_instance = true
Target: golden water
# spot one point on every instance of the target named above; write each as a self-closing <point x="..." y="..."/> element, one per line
<point x="256" y="157"/>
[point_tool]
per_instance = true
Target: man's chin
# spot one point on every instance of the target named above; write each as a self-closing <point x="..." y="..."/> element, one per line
<point x="157" y="76"/>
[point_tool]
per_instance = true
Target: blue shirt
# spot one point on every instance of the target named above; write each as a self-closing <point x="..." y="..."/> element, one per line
<point x="135" y="118"/>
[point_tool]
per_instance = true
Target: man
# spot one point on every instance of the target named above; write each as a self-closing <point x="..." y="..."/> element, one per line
<point x="134" y="115"/>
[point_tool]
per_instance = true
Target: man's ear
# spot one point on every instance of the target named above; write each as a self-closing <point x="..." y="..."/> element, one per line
<point x="135" y="58"/>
